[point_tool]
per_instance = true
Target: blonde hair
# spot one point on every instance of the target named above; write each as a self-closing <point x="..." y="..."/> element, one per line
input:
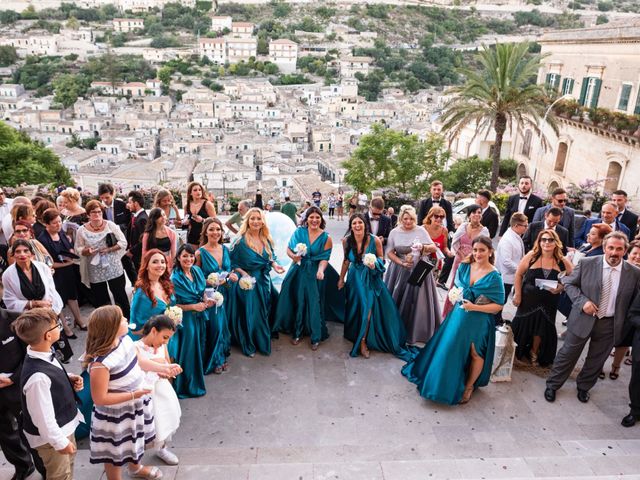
<point x="103" y="326"/>
<point x="407" y="210"/>
<point x="265" y="235"/>
<point x="71" y="194"/>
<point x="435" y="210"/>
<point x="557" y="251"/>
<point x="161" y="195"/>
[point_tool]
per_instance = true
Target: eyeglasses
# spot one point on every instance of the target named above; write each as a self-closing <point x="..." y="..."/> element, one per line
<point x="21" y="230"/>
<point x="547" y="240"/>
<point x="438" y="216"/>
<point x="58" y="325"/>
<point x="522" y="225"/>
<point x="95" y="212"/>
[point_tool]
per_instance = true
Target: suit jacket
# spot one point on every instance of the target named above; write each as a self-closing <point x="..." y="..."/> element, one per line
<point x="634" y="322"/>
<point x="568" y="221"/>
<point x="630" y="219"/>
<point x="12" y="352"/>
<point x="427" y="203"/>
<point x="585" y="283"/>
<point x="581" y="238"/>
<point x="533" y="203"/>
<point x="384" y="227"/>
<point x="490" y="220"/>
<point x="134" y="234"/>
<point x="121" y="214"/>
<point x="530" y="236"/>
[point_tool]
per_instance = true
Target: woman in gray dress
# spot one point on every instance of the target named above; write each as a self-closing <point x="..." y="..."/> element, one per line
<point x="418" y="305"/>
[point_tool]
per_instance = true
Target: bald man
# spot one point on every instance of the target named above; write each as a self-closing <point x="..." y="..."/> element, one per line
<point x="7" y="220"/>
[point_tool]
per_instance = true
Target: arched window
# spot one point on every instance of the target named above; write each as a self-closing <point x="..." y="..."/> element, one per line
<point x="526" y="146"/>
<point x="552" y="186"/>
<point x="613" y="177"/>
<point x="522" y="170"/>
<point x="561" y="157"/>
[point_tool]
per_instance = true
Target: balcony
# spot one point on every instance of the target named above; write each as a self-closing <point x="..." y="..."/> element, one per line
<point x="631" y="140"/>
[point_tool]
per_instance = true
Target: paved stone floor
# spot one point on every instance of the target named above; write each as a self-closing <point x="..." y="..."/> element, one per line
<point x="304" y="415"/>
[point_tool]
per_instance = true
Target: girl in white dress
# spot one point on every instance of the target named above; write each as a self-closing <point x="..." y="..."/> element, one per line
<point x="153" y="346"/>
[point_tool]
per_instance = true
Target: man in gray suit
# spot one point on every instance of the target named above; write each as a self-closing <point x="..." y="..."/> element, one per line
<point x="559" y="199"/>
<point x="602" y="288"/>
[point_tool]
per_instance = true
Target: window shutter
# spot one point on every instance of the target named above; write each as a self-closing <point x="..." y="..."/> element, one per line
<point x="564" y="86"/>
<point x="596" y="93"/>
<point x="625" y="93"/>
<point x="556" y="82"/>
<point x="547" y="80"/>
<point x="636" y="111"/>
<point x="583" y="91"/>
<point x="571" y="82"/>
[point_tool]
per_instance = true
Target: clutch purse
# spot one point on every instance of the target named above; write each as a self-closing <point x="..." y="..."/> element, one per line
<point x="111" y="239"/>
<point x="420" y="272"/>
<point x="483" y="300"/>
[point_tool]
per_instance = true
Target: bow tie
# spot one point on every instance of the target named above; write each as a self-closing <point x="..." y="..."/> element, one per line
<point x="524" y="198"/>
<point x="435" y="201"/>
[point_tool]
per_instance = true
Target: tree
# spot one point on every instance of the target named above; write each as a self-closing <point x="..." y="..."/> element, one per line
<point x="387" y="158"/>
<point x="23" y="160"/>
<point x="164" y="75"/>
<point x="73" y="23"/>
<point x="502" y="94"/>
<point x="8" y="55"/>
<point x="67" y="88"/>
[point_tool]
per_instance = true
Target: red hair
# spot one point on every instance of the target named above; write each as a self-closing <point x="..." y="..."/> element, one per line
<point x="143" y="281"/>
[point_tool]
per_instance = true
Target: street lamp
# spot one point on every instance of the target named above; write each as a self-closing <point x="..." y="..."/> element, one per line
<point x="541" y="124"/>
<point x="224" y="188"/>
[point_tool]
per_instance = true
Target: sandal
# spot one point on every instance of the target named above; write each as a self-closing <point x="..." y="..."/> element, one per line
<point x="154" y="473"/>
<point x="614" y="373"/>
<point x="217" y="370"/>
<point x="601" y="375"/>
<point x="628" y="361"/>
<point x="314" y="346"/>
<point x="295" y="341"/>
<point x="534" y="359"/>
<point x="466" y="395"/>
<point x="364" y="351"/>
<point x="225" y="366"/>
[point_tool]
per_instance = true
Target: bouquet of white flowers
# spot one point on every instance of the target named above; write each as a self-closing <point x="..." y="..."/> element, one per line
<point x="416" y="247"/>
<point x="218" y="299"/>
<point x="247" y="282"/>
<point x="175" y="314"/>
<point x="215" y="279"/>
<point x="300" y="250"/>
<point x="369" y="260"/>
<point x="455" y="295"/>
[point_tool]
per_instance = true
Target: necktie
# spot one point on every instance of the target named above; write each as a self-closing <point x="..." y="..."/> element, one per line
<point x="606" y="294"/>
<point x="110" y="213"/>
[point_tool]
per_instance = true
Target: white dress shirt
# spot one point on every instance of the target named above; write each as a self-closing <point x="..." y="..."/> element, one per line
<point x="375" y="224"/>
<point x="509" y="252"/>
<point x="37" y="391"/>
<point x="5" y="209"/>
<point x="615" y="283"/>
<point x="547" y="227"/>
<point x="522" y="203"/>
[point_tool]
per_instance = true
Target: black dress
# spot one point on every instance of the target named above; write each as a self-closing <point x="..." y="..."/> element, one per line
<point x="164" y="245"/>
<point x="195" y="228"/>
<point x="536" y="316"/>
<point x="65" y="278"/>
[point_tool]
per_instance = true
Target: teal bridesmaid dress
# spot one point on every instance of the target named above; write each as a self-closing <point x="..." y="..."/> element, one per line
<point x="440" y="367"/>
<point x="251" y="311"/>
<point x="217" y="338"/>
<point x="142" y="309"/>
<point x="305" y="303"/>
<point x="367" y="295"/>
<point x="187" y="345"/>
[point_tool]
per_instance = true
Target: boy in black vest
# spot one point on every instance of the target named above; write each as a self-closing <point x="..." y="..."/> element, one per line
<point x="49" y="409"/>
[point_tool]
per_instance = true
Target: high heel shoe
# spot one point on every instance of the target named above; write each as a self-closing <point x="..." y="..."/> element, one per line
<point x="466" y="395"/>
<point x="534" y="359"/>
<point x="615" y="372"/>
<point x="80" y="326"/>
<point x="364" y="351"/>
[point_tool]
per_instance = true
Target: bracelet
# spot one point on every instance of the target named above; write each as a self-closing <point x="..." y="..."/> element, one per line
<point x="30" y="304"/>
<point x="133" y="397"/>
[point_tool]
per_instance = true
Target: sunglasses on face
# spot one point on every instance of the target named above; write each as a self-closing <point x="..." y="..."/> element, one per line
<point x="547" y="240"/>
<point x="438" y="216"/>
<point x="561" y="200"/>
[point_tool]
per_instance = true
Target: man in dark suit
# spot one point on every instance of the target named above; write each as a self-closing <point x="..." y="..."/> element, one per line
<point x="391" y="213"/>
<point x="490" y="218"/>
<point x="559" y="200"/>
<point x="602" y="289"/>
<point x="551" y="221"/>
<point x="523" y="202"/>
<point x="634" y="384"/>
<point x="608" y="216"/>
<point x="626" y="216"/>
<point x="114" y="208"/>
<point x="436" y="198"/>
<point x="379" y="224"/>
<point x="137" y="224"/>
<point x="12" y="352"/>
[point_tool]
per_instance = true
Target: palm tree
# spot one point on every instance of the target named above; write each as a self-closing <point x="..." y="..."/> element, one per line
<point x="503" y="94"/>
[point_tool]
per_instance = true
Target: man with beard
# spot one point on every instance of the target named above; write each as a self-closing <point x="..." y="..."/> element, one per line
<point x="602" y="289"/>
<point x="522" y="202"/>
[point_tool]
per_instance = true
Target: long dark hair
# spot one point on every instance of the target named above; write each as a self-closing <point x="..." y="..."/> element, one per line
<point x="150" y="227"/>
<point x="351" y="239"/>
<point x="184" y="247"/>
<point x="311" y="210"/>
<point x="486" y="241"/>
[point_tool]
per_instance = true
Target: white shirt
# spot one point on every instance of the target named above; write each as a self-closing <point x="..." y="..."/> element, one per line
<point x="522" y="203"/>
<point x="37" y="391"/>
<point x="547" y="227"/>
<point x="375" y="223"/>
<point x="509" y="252"/>
<point x="615" y="283"/>
<point x="5" y="209"/>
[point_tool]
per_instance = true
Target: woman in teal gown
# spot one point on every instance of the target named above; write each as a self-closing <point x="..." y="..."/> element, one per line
<point x="371" y="316"/>
<point x="153" y="291"/>
<point x="217" y="338"/>
<point x="251" y="311"/>
<point x="458" y="358"/>
<point x="309" y="297"/>
<point x="189" y="345"/>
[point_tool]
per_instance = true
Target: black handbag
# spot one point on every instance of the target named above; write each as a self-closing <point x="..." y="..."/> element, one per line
<point x="111" y="239"/>
<point x="420" y="272"/>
